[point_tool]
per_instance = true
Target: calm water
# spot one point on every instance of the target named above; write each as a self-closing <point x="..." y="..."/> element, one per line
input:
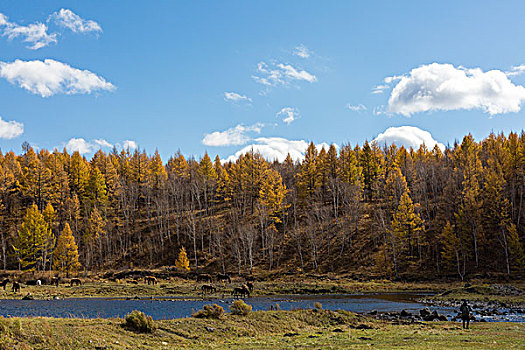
<point x="177" y="308"/>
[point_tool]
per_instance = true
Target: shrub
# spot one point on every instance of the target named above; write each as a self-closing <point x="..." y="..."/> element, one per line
<point x="139" y="322"/>
<point x="239" y="307"/>
<point x="209" y="311"/>
<point x="318" y="305"/>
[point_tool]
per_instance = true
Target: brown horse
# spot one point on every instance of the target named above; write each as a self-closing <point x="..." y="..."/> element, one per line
<point x="150" y="280"/>
<point x="16" y="287"/>
<point x="241" y="292"/>
<point x="55" y="281"/>
<point x="224" y="277"/>
<point x="204" y="277"/>
<point x="208" y="288"/>
<point x="75" y="281"/>
<point x="5" y="282"/>
<point x="249" y="285"/>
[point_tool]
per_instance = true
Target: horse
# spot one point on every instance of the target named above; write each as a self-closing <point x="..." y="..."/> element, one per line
<point x="204" y="277"/>
<point x="55" y="281"/>
<point x="241" y="292"/>
<point x="75" y="281"/>
<point x="150" y="280"/>
<point x="38" y="282"/>
<point x="5" y="282"/>
<point x="208" y="288"/>
<point x="16" y="287"/>
<point x="31" y="282"/>
<point x="224" y="277"/>
<point x="249" y="285"/>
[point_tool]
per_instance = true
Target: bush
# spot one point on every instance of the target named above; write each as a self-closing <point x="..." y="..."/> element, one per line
<point x="318" y="305"/>
<point x="209" y="311"/>
<point x="139" y="322"/>
<point x="239" y="307"/>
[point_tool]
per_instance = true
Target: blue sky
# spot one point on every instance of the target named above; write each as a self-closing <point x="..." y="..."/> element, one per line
<point x="159" y="73"/>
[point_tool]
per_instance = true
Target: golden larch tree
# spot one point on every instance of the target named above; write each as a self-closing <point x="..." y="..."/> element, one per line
<point x="65" y="258"/>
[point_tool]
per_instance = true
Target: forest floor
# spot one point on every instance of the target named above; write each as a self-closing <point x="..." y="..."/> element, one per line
<point x="298" y="329"/>
<point x="95" y="286"/>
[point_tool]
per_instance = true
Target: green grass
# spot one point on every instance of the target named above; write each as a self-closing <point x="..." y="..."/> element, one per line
<point x="481" y="292"/>
<point x="300" y="329"/>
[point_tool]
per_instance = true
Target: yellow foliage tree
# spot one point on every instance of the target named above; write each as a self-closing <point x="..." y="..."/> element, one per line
<point x="65" y="258"/>
<point x="183" y="262"/>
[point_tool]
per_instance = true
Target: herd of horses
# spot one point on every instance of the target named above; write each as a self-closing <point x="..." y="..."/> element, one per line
<point x="53" y="281"/>
<point x="208" y="288"/>
<point x="243" y="291"/>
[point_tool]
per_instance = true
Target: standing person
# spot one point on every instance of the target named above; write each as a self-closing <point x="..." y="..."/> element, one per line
<point x="465" y="310"/>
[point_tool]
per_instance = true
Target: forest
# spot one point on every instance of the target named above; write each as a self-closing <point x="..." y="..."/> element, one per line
<point x="390" y="211"/>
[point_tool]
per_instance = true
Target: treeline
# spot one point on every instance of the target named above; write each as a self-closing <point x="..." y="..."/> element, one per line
<point x="388" y="210"/>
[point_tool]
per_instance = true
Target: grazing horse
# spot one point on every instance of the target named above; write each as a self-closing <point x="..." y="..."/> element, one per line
<point x="75" y="281"/>
<point x="38" y="282"/>
<point x="208" y="288"/>
<point x="31" y="282"/>
<point x="16" y="287"/>
<point x="55" y="281"/>
<point x="224" y="277"/>
<point x="150" y="280"/>
<point x="5" y="282"/>
<point x="249" y="285"/>
<point x="241" y="292"/>
<point x="204" y="277"/>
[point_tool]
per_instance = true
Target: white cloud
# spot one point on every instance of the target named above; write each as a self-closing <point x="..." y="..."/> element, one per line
<point x="272" y="148"/>
<point x="301" y="51"/>
<point x="10" y="130"/>
<point x="445" y="87"/>
<point x="80" y="145"/>
<point x="34" y="34"/>
<point x="281" y="74"/>
<point x="516" y="70"/>
<point x="235" y="97"/>
<point x="68" y="19"/>
<point x="288" y="114"/>
<point x="233" y="136"/>
<point x="50" y="77"/>
<point x="408" y="136"/>
<point x="357" y="108"/>
<point x="85" y="147"/>
<point x="103" y="143"/>
<point x="129" y="144"/>
<point x="379" y="89"/>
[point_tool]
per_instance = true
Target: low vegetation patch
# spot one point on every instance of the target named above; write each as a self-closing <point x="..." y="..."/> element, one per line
<point x="138" y="321"/>
<point x="210" y="311"/>
<point x="239" y="307"/>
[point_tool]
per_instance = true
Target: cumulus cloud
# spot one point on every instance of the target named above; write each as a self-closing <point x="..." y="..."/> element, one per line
<point x="49" y="77"/>
<point x="235" y="97"/>
<point x="445" y="87"/>
<point x="68" y="19"/>
<point x="281" y="74"/>
<point x="234" y="136"/>
<point x="288" y="114"/>
<point x="129" y="144"/>
<point x="10" y="129"/>
<point x="80" y="145"/>
<point x="35" y="34"/>
<point x="407" y="136"/>
<point x="356" y="108"/>
<point x="84" y="146"/>
<point x="272" y="148"/>
<point x="301" y="51"/>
